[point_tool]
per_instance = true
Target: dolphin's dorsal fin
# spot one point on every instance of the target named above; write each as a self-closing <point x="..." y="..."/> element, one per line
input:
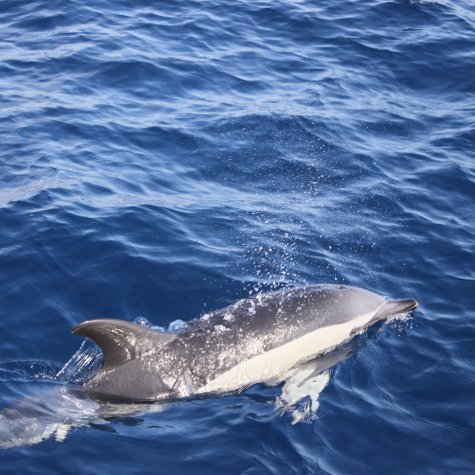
<point x="121" y="341"/>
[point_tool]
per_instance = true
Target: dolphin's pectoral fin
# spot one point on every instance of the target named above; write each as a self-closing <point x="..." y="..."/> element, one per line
<point x="120" y="341"/>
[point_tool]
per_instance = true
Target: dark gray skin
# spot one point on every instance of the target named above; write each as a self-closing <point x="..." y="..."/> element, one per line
<point x="141" y="364"/>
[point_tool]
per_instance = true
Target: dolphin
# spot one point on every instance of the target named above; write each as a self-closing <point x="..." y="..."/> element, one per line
<point x="254" y="340"/>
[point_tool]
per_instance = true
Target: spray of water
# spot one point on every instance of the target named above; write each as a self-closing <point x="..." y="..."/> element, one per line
<point x="86" y="360"/>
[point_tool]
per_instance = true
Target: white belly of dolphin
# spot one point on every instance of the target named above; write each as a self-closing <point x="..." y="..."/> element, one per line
<point x="275" y="362"/>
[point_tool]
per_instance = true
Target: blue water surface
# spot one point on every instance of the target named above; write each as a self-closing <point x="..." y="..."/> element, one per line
<point x="162" y="159"/>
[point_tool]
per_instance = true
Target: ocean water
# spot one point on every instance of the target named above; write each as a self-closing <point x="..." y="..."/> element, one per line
<point x="159" y="160"/>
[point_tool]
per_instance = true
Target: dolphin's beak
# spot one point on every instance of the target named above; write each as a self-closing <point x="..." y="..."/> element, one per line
<point x="395" y="307"/>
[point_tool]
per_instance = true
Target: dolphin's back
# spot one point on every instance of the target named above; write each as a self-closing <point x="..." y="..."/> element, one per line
<point x="277" y="317"/>
<point x="223" y="339"/>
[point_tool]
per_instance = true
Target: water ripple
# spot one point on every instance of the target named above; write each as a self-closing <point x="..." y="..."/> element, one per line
<point x="158" y="161"/>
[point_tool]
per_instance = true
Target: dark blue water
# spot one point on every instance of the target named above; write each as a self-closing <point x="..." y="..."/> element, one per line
<point x="162" y="159"/>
